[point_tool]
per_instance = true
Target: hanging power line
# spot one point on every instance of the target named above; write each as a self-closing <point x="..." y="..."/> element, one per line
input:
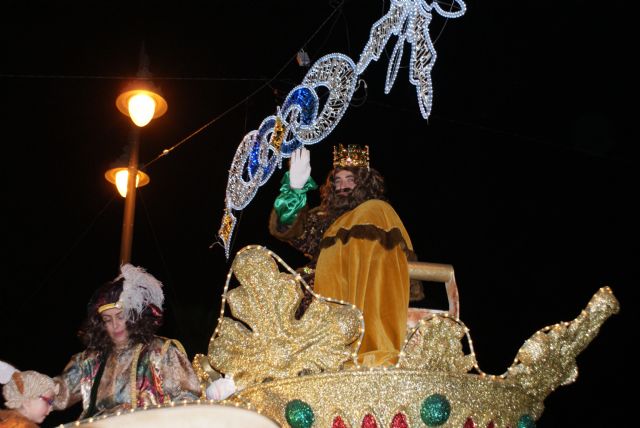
<point x="127" y="78"/>
<point x="35" y="291"/>
<point x="245" y="99"/>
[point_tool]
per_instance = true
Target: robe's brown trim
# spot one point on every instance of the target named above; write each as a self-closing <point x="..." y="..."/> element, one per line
<point x="388" y="239"/>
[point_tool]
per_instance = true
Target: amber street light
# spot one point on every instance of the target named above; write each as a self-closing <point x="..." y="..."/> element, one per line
<point x="120" y="178"/>
<point x="142" y="102"/>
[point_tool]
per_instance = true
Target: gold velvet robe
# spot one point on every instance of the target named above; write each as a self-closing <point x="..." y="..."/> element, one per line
<point x="362" y="259"/>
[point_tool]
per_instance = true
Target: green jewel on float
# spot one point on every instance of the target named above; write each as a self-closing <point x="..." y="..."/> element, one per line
<point x="299" y="414"/>
<point x="526" y="421"/>
<point x="435" y="410"/>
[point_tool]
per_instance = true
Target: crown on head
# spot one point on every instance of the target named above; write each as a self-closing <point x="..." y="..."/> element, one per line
<point x="352" y="155"/>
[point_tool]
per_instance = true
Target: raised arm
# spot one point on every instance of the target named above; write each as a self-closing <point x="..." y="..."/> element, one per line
<point x="294" y="187"/>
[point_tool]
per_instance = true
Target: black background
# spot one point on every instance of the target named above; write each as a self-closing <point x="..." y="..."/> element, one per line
<point x="524" y="178"/>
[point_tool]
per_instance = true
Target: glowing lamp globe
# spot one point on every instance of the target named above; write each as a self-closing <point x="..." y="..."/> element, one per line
<point x="141" y="105"/>
<point x="141" y="108"/>
<point x="120" y="177"/>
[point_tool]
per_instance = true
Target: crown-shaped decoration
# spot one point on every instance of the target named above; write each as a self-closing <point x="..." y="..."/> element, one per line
<point x="303" y="373"/>
<point x="353" y="155"/>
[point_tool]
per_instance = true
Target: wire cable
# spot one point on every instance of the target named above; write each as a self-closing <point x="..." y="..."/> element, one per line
<point x="80" y="77"/>
<point x="233" y="107"/>
<point x="47" y="277"/>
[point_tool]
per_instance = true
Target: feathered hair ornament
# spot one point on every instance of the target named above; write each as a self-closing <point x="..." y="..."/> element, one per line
<point x="140" y="290"/>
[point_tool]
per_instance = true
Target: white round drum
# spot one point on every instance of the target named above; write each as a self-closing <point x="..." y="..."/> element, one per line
<point x="183" y="416"/>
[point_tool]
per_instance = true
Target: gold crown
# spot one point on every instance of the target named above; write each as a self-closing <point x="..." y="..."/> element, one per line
<point x="353" y="155"/>
<point x="304" y="373"/>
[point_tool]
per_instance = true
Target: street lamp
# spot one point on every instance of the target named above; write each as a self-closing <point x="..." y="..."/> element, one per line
<point x="142" y="102"/>
<point x="120" y="178"/>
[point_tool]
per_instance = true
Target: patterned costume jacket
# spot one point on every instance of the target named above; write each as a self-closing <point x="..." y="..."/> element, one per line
<point x="138" y="375"/>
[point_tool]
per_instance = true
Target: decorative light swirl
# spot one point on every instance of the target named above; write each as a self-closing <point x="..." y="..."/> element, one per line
<point x="336" y="72"/>
<point x="299" y="122"/>
<point x="240" y="191"/>
<point x="408" y="20"/>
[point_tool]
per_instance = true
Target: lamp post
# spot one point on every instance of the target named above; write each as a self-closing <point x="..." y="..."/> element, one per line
<point x="142" y="102"/>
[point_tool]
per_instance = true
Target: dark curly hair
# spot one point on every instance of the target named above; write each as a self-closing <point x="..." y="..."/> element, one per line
<point x="93" y="333"/>
<point x="369" y="185"/>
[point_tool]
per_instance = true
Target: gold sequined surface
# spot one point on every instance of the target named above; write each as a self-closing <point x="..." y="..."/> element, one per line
<point x="435" y="345"/>
<point x="277" y="360"/>
<point x="275" y="344"/>
<point x="548" y="359"/>
<point x="352" y="394"/>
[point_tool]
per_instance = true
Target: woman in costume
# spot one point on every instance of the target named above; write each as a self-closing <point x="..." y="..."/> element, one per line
<point x="125" y="365"/>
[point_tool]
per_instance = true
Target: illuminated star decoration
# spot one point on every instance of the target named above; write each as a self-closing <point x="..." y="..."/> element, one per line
<point x="409" y="20"/>
<point x="301" y="121"/>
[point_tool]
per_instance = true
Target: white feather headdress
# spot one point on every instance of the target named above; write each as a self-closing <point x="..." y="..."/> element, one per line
<point x="139" y="290"/>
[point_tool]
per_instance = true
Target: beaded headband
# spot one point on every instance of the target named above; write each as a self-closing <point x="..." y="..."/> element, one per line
<point x="139" y="291"/>
<point x="108" y="306"/>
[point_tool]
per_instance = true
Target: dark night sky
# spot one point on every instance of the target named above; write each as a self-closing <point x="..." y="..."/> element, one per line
<point x="526" y="169"/>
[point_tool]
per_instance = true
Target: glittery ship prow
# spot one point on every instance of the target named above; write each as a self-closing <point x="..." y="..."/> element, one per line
<point x="304" y="373"/>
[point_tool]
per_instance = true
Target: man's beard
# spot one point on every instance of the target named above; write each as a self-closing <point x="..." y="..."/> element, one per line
<point x="342" y="202"/>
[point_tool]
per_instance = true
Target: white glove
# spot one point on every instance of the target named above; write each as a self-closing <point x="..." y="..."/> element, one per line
<point x="221" y="388"/>
<point x="299" y="168"/>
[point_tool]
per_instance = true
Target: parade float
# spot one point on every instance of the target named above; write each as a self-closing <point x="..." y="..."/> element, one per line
<point x="304" y="372"/>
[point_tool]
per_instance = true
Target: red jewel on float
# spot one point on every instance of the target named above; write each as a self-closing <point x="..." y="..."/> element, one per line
<point x="399" y="421"/>
<point x="338" y="423"/>
<point x="369" y="421"/>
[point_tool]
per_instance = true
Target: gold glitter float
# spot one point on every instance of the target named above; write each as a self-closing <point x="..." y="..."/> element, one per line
<point x="264" y="340"/>
<point x="275" y="358"/>
<point x="434" y="345"/>
<point x="548" y="359"/>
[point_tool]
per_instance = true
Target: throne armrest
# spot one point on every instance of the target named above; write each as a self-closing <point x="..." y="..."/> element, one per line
<point x="435" y="272"/>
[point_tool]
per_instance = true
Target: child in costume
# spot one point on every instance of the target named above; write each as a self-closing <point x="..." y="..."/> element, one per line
<point x="28" y="397"/>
